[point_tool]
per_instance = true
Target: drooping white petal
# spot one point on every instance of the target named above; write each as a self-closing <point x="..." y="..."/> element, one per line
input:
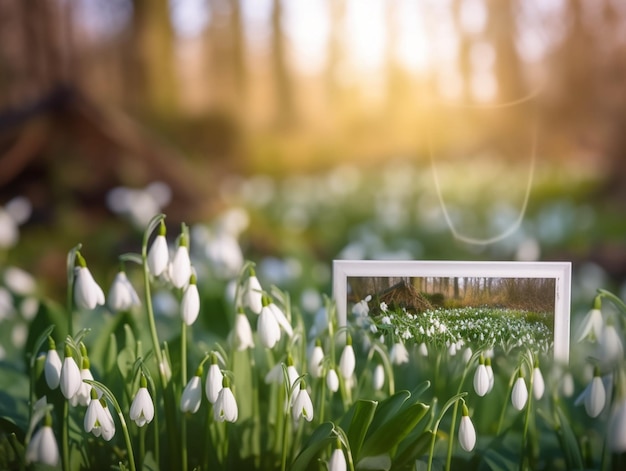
<point x="347" y="362"/>
<point x="467" y="433"/>
<point x="491" y="376"/>
<point x="315" y="362"/>
<point x="481" y="380"/>
<point x="591" y="326"/>
<point x="225" y="408"/>
<point x="52" y="369"/>
<point x="519" y="395"/>
<point x="213" y="383"/>
<point x="610" y="348"/>
<point x="332" y="380"/>
<point x="423" y="349"/>
<point x="616" y="435"/>
<point x="302" y="405"/>
<point x="378" y="378"/>
<point x="253" y="294"/>
<point x="281" y="319"/>
<point x="122" y="295"/>
<point x="268" y="328"/>
<point x="158" y="256"/>
<point x="142" y="408"/>
<point x="87" y="293"/>
<point x="595" y="397"/>
<point x="538" y="383"/>
<point x="399" y="354"/>
<point x="337" y="461"/>
<point x="192" y="395"/>
<point x="43" y="447"/>
<point x="180" y="268"/>
<point x="83" y="395"/>
<point x="107" y="425"/>
<point x="243" y="332"/>
<point x="70" y="378"/>
<point x="93" y="415"/>
<point x="190" y="304"/>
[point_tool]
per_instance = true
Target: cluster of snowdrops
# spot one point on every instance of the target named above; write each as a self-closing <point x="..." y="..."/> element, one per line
<point x="281" y="391"/>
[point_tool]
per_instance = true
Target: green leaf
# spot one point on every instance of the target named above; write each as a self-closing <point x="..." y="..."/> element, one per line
<point x="568" y="441"/>
<point x="499" y="461"/>
<point x="393" y="431"/>
<point x="110" y="354"/>
<point x="388" y="408"/>
<point x="378" y="462"/>
<point x="321" y="437"/>
<point x="131" y="342"/>
<point x="412" y="450"/>
<point x="363" y="413"/>
<point x="125" y="361"/>
<point x="131" y="257"/>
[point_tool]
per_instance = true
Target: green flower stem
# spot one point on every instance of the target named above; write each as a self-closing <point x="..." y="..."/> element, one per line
<point x="614" y="299"/>
<point x="525" y="458"/>
<point x="507" y="398"/>
<point x="183" y="377"/>
<point x="142" y="446"/>
<point x="65" y="436"/>
<point x="285" y="440"/>
<point x="453" y="400"/>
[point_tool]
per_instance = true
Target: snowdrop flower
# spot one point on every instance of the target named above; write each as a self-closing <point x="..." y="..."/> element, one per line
<point x="610" y="348"/>
<point x="52" y="366"/>
<point x="361" y="308"/>
<point x="594" y="396"/>
<point x="292" y="373"/>
<point x="87" y="293"/>
<point x="467" y="433"/>
<point x="243" y="332"/>
<point x="70" y="380"/>
<point x="122" y="295"/>
<point x="399" y="354"/>
<point x="617" y="428"/>
<point x="253" y="293"/>
<point x="384" y="307"/>
<point x="302" y="405"/>
<point x="190" y="304"/>
<point x="567" y="384"/>
<point x="467" y="355"/>
<point x="225" y="408"/>
<point x="192" y="394"/>
<point x="519" y="396"/>
<point x="142" y="407"/>
<point x="214" y="380"/>
<point x="423" y="349"/>
<point x="14" y="213"/>
<point x="315" y="360"/>
<point x="337" y="460"/>
<point x="275" y="375"/>
<point x="378" y="378"/>
<point x="83" y="395"/>
<point x="42" y="447"/>
<point x="268" y="328"/>
<point x="332" y="380"/>
<point x="347" y="361"/>
<point x="19" y="281"/>
<point x="538" y="383"/>
<point x="481" y="378"/>
<point x="158" y="255"/>
<point x="489" y="374"/>
<point x="180" y="266"/>
<point x="97" y="420"/>
<point x="452" y="349"/>
<point x="281" y="318"/>
<point x="591" y="326"/>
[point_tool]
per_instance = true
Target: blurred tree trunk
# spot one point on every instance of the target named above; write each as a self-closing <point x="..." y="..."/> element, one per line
<point x="238" y="52"/>
<point x="336" y="10"/>
<point x="154" y="78"/>
<point x="285" y="110"/>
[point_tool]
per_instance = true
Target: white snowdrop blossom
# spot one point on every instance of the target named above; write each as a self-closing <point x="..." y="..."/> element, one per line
<point x="42" y="447"/>
<point x="122" y="295"/>
<point x="281" y="318"/>
<point x="567" y="384"/>
<point x="467" y="433"/>
<point x="423" y="349"/>
<point x="315" y="360"/>
<point x="97" y="420"/>
<point x="592" y="324"/>
<point x="52" y="366"/>
<point x="19" y="281"/>
<point x="214" y="380"/>
<point x="180" y="266"/>
<point x="225" y="408"/>
<point x="617" y="428"/>
<point x="399" y="354"/>
<point x="190" y="304"/>
<point x="302" y="405"/>
<point x="243" y="332"/>
<point x="70" y="375"/>
<point x="192" y="394"/>
<point x="519" y="395"/>
<point x="108" y="426"/>
<point x="83" y="395"/>
<point x="490" y="374"/>
<point x="332" y="380"/>
<point x="337" y="460"/>
<point x="481" y="378"/>
<point x="253" y="294"/>
<point x="384" y="307"/>
<point x="361" y="309"/>
<point x="538" y="383"/>
<point x="347" y="361"/>
<point x="87" y="293"/>
<point x="268" y="328"/>
<point x="594" y="396"/>
<point x="610" y="348"/>
<point x="467" y="355"/>
<point x="142" y="407"/>
<point x="378" y="377"/>
<point x="275" y="375"/>
<point x="158" y="255"/>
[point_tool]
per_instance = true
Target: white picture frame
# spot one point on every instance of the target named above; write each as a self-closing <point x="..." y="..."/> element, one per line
<point x="559" y="271"/>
